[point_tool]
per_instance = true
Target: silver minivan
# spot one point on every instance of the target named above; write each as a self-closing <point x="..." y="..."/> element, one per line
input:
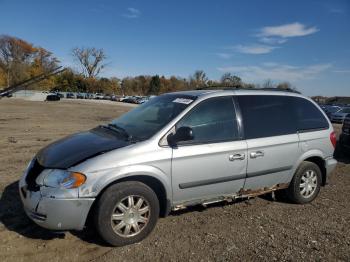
<point x="177" y="150"/>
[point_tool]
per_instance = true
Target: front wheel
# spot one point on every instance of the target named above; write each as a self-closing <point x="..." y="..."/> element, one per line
<point x="305" y="184"/>
<point x="126" y="213"/>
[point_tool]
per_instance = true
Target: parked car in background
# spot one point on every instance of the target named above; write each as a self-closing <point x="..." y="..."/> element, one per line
<point x="116" y="98"/>
<point x="330" y="109"/>
<point x="99" y="96"/>
<point x="60" y="95"/>
<point x="131" y="100"/>
<point x="89" y="96"/>
<point x="180" y="149"/>
<point x="107" y="97"/>
<point x="80" y="96"/>
<point x="123" y="98"/>
<point x="143" y="100"/>
<point x="339" y="116"/>
<point x="53" y="97"/>
<point x="70" y="95"/>
<point x="344" y="139"/>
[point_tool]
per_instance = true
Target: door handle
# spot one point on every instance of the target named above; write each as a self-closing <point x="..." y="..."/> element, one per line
<point x="256" y="154"/>
<point x="236" y="157"/>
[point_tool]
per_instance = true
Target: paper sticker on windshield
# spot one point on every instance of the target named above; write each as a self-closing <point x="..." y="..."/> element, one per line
<point x="185" y="101"/>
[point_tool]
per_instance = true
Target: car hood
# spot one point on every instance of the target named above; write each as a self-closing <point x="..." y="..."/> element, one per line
<point x="79" y="147"/>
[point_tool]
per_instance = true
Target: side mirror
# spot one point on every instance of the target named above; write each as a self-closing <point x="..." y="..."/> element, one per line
<point x="184" y="133"/>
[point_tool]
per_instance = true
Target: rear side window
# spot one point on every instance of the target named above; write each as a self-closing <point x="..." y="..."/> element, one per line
<point x="213" y="120"/>
<point x="309" y="117"/>
<point x="266" y="116"/>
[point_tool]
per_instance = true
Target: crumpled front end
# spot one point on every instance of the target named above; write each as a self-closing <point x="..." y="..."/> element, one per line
<point x="52" y="208"/>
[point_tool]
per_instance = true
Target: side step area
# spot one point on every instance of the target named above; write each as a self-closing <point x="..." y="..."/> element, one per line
<point x="248" y="193"/>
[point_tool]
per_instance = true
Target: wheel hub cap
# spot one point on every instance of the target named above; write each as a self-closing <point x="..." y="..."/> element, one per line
<point x="308" y="184"/>
<point x="130" y="216"/>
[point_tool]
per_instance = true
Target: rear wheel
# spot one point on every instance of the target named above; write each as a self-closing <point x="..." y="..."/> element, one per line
<point x="305" y="184"/>
<point x="126" y="213"/>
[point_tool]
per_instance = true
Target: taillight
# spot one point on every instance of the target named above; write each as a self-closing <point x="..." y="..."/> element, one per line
<point x="333" y="138"/>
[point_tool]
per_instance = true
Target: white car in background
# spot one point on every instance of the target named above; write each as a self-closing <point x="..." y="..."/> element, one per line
<point x="99" y="96"/>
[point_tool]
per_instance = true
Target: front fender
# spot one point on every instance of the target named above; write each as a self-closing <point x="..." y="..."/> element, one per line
<point x="99" y="180"/>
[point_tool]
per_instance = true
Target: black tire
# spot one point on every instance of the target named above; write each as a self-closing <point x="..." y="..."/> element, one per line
<point x="106" y="206"/>
<point x="294" y="192"/>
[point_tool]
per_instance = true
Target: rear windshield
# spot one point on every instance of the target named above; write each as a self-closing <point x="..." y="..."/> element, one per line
<point x="146" y="120"/>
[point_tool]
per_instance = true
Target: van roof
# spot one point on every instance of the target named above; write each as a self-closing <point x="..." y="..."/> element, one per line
<point x="238" y="91"/>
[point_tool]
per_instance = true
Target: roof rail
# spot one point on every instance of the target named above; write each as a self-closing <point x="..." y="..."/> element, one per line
<point x="250" y="88"/>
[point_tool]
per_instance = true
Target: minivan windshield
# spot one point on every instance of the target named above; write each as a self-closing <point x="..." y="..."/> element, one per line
<point x="144" y="121"/>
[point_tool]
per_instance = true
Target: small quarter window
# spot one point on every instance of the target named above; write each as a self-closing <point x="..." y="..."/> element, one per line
<point x="309" y="117"/>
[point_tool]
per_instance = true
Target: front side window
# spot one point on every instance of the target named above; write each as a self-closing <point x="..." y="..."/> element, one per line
<point x="266" y="115"/>
<point x="213" y="120"/>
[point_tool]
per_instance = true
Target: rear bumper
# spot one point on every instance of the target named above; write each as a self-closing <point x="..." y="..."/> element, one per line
<point x="56" y="214"/>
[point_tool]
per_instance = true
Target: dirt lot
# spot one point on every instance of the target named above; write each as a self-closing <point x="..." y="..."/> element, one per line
<point x="258" y="229"/>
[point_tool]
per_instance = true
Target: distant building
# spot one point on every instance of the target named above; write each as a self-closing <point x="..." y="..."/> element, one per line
<point x="341" y="100"/>
<point x="320" y="99"/>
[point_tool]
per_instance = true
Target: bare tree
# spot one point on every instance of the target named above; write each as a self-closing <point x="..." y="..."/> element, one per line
<point x="284" y="85"/>
<point x="90" y="59"/>
<point x="287" y="86"/>
<point x="268" y="84"/>
<point x="230" y="80"/>
<point x="15" y="55"/>
<point x="199" y="79"/>
<point x="45" y="59"/>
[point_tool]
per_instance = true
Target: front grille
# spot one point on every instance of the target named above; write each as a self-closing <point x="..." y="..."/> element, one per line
<point x="32" y="174"/>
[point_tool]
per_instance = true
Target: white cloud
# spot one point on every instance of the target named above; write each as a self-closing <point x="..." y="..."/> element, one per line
<point x="224" y="55"/>
<point x="337" y="10"/>
<point x="132" y="13"/>
<point x="254" y="49"/>
<point x="272" y="40"/>
<point x="287" y="30"/>
<point x="270" y="64"/>
<point x="343" y="71"/>
<point x="271" y="37"/>
<point x="277" y="72"/>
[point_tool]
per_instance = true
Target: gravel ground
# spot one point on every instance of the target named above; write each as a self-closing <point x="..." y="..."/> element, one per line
<point x="255" y="229"/>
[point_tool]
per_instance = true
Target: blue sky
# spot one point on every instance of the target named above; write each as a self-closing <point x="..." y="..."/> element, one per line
<point x="304" y="42"/>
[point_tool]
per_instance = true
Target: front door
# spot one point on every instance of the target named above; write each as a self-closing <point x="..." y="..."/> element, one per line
<point x="213" y="163"/>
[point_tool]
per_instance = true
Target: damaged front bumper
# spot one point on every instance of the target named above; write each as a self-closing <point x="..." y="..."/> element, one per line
<point x="55" y="208"/>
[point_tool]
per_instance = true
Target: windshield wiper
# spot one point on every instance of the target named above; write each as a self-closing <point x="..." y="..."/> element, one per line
<point x="119" y="130"/>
